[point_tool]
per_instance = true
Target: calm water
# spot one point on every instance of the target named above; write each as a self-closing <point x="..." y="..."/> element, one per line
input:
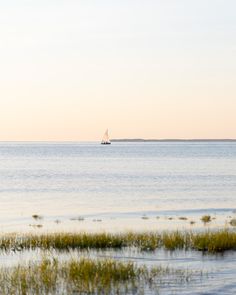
<point x="114" y="187"/>
<point x="121" y="181"/>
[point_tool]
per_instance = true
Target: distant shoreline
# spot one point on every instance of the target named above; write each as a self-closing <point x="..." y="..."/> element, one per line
<point x="171" y="140"/>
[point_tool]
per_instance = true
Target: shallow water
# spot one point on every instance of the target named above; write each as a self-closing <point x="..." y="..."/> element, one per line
<point x="208" y="273"/>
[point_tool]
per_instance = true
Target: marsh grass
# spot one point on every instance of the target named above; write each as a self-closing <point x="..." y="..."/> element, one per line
<point x="183" y="218"/>
<point x="79" y="218"/>
<point x="36" y="225"/>
<point x="83" y="276"/>
<point x="37" y="217"/>
<point x="206" y="219"/>
<point x="211" y="241"/>
<point x="233" y="222"/>
<point x="144" y="217"/>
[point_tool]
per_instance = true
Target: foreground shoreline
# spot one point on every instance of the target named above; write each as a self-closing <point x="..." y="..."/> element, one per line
<point x="49" y="275"/>
<point x="116" y="263"/>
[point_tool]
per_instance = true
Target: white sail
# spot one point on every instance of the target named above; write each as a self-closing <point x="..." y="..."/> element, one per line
<point x="105" y="139"/>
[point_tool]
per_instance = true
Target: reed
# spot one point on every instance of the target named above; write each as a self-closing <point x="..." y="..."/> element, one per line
<point x="206" y="219"/>
<point x="233" y="222"/>
<point x="211" y="241"/>
<point x="175" y="240"/>
<point x="37" y="217"/>
<point x="83" y="276"/>
<point x="183" y="218"/>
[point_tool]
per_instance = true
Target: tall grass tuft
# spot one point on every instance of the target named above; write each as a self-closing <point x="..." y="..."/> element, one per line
<point x="206" y="219"/>
<point x="218" y="241"/>
<point x="175" y="240"/>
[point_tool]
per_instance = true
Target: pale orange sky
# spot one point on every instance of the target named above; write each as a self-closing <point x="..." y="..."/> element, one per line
<point x="69" y="70"/>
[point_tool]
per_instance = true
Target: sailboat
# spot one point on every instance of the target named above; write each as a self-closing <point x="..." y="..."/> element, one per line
<point x="105" y="139"/>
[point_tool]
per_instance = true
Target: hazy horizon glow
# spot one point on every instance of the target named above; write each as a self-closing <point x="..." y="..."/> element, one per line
<point x="143" y="69"/>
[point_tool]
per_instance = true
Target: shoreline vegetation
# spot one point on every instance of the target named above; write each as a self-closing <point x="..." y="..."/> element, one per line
<point x="90" y="273"/>
<point x="207" y="241"/>
<point x="86" y="276"/>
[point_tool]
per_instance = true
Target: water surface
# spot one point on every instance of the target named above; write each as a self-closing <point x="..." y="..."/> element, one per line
<point x="117" y="184"/>
<point x="124" y="186"/>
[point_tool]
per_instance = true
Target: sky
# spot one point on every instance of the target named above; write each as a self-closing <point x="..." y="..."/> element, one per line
<point x="69" y="69"/>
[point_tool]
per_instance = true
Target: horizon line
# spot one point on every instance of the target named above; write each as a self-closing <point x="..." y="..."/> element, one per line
<point x="176" y="139"/>
<point x="129" y="139"/>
